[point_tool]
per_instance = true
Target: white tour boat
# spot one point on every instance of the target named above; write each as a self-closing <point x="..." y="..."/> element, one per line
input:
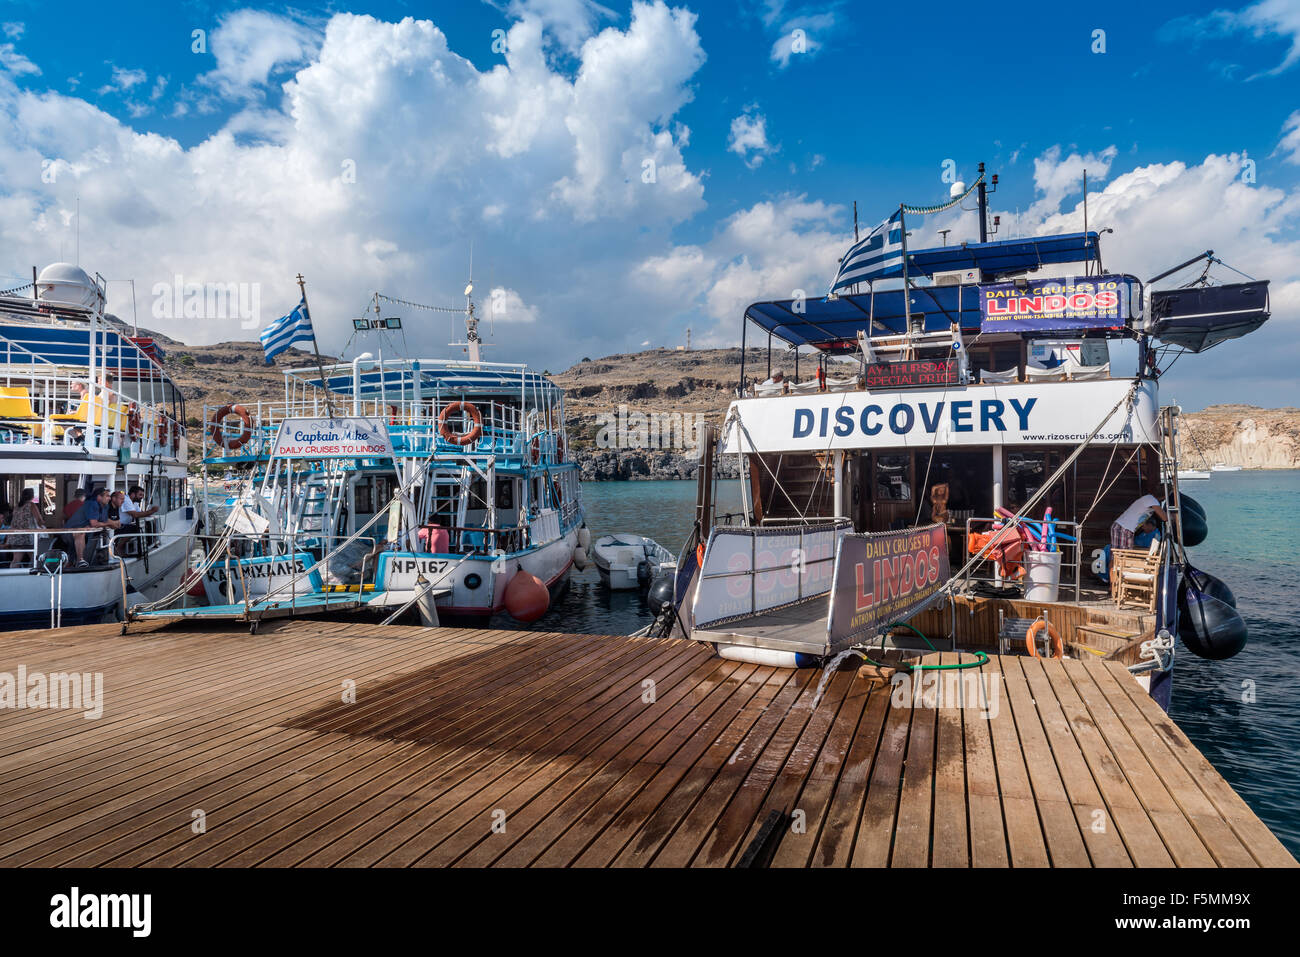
<point x="84" y="404"/>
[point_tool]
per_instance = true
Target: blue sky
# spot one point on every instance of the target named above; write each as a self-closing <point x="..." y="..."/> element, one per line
<point x="230" y="164"/>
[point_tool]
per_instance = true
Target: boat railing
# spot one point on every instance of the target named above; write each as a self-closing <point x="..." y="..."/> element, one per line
<point x="23" y="547"/>
<point x="1070" y="551"/>
<point x="414" y="425"/>
<point x="52" y="407"/>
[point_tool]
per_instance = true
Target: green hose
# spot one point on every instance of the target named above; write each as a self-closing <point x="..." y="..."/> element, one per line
<point x="981" y="658"/>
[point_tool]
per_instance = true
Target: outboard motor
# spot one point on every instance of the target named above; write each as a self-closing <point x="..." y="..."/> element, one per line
<point x="1209" y="626"/>
<point x="1195" y="525"/>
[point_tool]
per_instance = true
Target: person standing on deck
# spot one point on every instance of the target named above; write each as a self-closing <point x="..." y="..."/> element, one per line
<point x="1123" y="528"/>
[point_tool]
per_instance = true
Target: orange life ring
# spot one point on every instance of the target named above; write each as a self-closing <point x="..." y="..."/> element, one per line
<point x="392" y="415"/>
<point x="1058" y="649"/>
<point x="218" y="437"/>
<point x="559" y="448"/>
<point x="535" y="449"/>
<point x="133" y="423"/>
<point x="176" y="436"/>
<point x="461" y="438"/>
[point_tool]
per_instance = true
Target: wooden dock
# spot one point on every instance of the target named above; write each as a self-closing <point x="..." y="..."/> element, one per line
<point x="476" y="748"/>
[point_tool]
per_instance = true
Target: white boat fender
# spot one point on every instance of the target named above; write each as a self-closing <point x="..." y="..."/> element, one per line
<point x="766" y="656"/>
<point x="584" y="538"/>
<point x="579" y="557"/>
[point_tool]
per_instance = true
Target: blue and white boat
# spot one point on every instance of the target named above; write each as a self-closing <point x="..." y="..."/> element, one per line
<point x="957" y="462"/>
<point x="84" y="404"/>
<point x="379" y="484"/>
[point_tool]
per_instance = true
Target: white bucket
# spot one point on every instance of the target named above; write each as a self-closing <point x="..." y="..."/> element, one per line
<point x="1042" y="575"/>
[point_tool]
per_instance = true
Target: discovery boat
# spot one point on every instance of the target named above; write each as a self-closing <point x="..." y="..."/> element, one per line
<point x="955" y="489"/>
<point x="438" y="486"/>
<point x="84" y="405"/>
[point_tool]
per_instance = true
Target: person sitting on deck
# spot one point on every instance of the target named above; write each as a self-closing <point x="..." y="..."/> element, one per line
<point x="1136" y="516"/>
<point x="92" y="514"/>
<point x="78" y="499"/>
<point x="26" y="516"/>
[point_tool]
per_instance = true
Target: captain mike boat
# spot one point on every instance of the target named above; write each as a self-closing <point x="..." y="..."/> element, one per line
<point x="438" y="487"/>
<point x="85" y="405"/>
<point x="965" y="466"/>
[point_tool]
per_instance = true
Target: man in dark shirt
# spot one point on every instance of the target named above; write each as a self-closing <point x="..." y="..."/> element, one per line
<point x="92" y="514"/>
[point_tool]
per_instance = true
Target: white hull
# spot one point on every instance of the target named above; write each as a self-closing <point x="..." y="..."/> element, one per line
<point x="92" y="595"/>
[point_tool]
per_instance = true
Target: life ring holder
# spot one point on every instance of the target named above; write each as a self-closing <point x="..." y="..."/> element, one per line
<point x="460" y="438"/>
<point x="1031" y="636"/>
<point x="233" y="443"/>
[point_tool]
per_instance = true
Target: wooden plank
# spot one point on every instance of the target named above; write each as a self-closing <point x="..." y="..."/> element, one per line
<point x="835" y="842"/>
<point x="989" y="842"/>
<point x="950" y="835"/>
<point x="518" y="790"/>
<point x="1179" y="836"/>
<point x="1263" y="845"/>
<point x="787" y="780"/>
<point x="1066" y="844"/>
<point x="583" y="813"/>
<point x="637" y="792"/>
<point x="1103" y="823"/>
<point x="916" y="797"/>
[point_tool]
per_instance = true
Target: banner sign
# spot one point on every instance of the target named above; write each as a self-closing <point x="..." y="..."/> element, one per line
<point x="750" y="570"/>
<point x="911" y="373"/>
<point x="885" y="577"/>
<point x="333" y="438"/>
<point x="1031" y="413"/>
<point x="1056" y="305"/>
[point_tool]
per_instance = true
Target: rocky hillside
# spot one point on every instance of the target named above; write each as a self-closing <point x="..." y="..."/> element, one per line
<point x="1243" y="435"/>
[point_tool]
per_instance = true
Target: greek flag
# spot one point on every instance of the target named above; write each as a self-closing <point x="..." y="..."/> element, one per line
<point x="287" y="330"/>
<point x="879" y="252"/>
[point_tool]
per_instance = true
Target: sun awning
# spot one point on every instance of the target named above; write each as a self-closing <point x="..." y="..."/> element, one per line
<point x="827" y="323"/>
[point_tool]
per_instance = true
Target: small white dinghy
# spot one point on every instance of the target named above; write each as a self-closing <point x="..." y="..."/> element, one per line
<point x="629" y="561"/>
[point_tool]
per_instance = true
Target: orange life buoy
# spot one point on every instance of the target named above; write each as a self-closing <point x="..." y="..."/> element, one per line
<point x="461" y="438"/>
<point x="218" y="436"/>
<point x="392" y="415"/>
<point x="133" y="423"/>
<point x="699" y="555"/>
<point x="559" y="448"/>
<point x="1058" y="649"/>
<point x="535" y="449"/>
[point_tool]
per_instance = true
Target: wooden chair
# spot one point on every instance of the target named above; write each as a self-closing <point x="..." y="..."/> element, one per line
<point x="1133" y="575"/>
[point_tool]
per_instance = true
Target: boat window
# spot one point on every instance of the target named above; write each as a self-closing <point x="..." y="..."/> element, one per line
<point x="891" y="478"/>
<point x="1025" y="474"/>
<point x="506" y="494"/>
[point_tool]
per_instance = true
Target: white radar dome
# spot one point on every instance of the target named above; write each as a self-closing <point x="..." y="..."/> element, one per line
<point x="956" y="189"/>
<point x="67" y="285"/>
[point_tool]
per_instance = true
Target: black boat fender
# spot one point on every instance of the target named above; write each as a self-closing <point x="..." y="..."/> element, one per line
<point x="1195" y="525"/>
<point x="1209" y="626"/>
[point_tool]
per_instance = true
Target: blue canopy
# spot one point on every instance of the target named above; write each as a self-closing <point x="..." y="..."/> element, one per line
<point x="999" y="258"/>
<point x="831" y="323"/>
<point x="70" y="346"/>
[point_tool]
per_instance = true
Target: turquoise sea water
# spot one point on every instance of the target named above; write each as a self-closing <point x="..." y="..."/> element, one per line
<point x="1243" y="714"/>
